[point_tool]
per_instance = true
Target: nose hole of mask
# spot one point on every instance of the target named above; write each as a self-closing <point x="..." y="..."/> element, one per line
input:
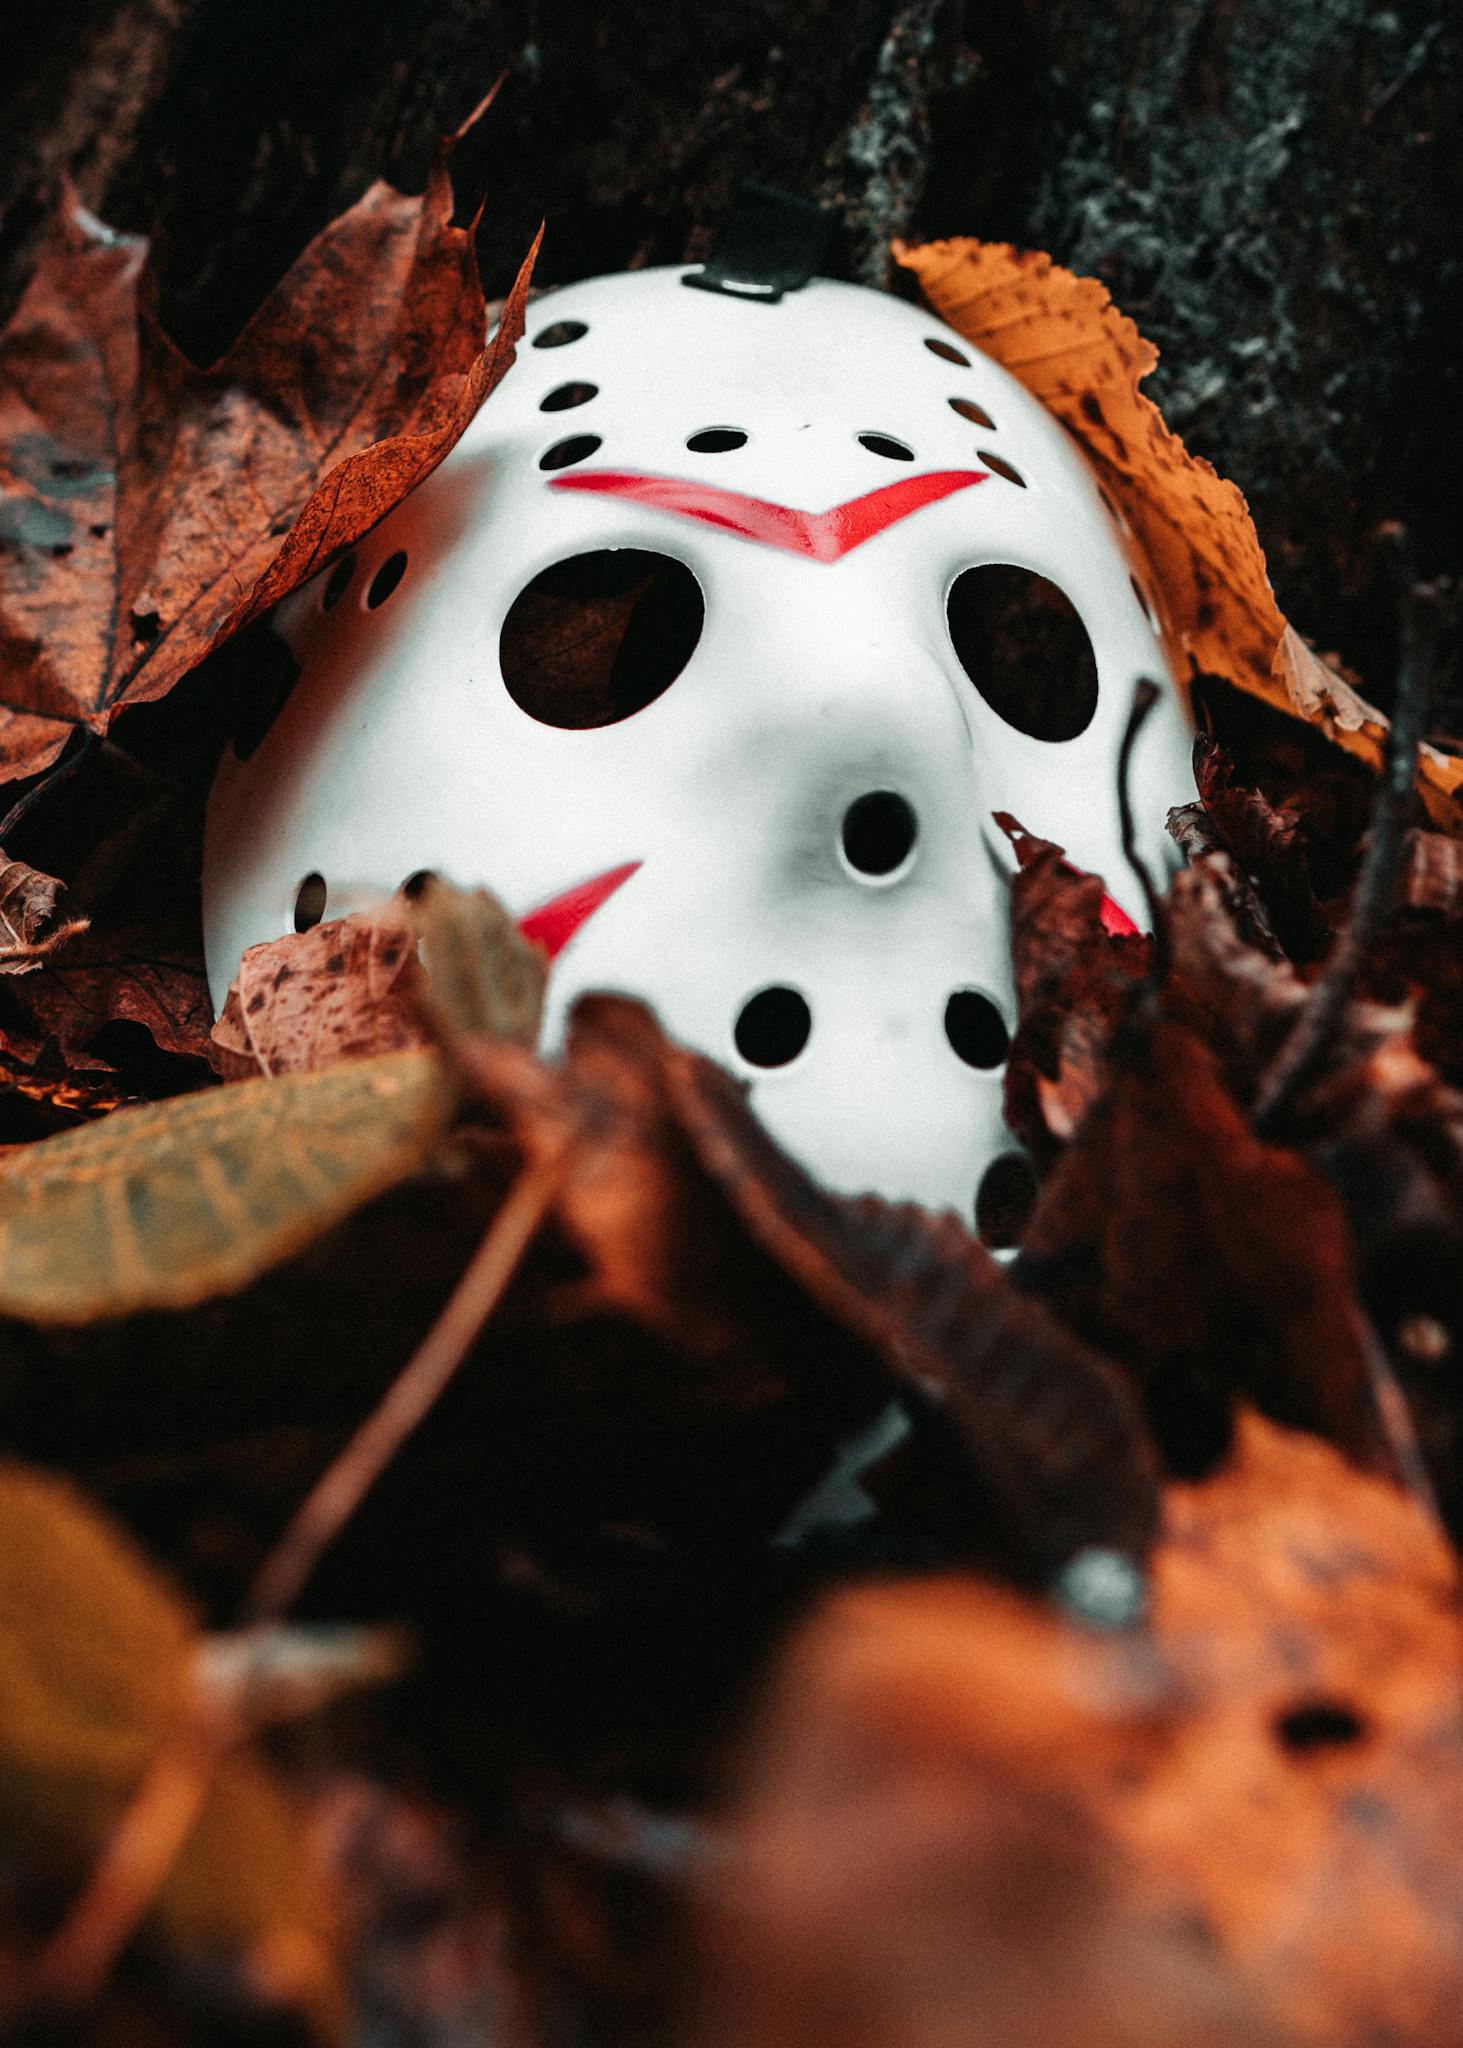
<point x="773" y="1027"/>
<point x="946" y="351"/>
<point x="717" y="440"/>
<point x="976" y="414"/>
<point x="879" y="832"/>
<point x="310" y="902"/>
<point x="887" y="446"/>
<point x="1004" y="1201"/>
<point x="564" y="397"/>
<point x="976" y="1030"/>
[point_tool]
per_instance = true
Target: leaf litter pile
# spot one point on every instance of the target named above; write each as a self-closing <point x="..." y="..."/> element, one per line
<point x="490" y="1551"/>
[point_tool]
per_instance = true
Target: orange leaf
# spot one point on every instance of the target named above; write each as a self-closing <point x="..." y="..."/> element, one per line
<point x="1066" y="341"/>
<point x="1274" y="1760"/>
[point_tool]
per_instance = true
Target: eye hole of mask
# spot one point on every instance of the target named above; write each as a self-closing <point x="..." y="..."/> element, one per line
<point x="599" y="637"/>
<point x="1023" y="645"/>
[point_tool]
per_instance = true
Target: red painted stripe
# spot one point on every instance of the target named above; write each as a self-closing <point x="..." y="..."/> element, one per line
<point x="823" y="536"/>
<point x="553" y="924"/>
<point x="1116" y="921"/>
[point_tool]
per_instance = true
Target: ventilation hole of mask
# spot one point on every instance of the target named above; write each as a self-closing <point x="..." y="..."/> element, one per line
<point x="560" y="334"/>
<point x="1024" y="647"/>
<point x="386" y="579"/>
<point x="1142" y="596"/>
<point x="976" y="1029"/>
<point x="717" y="440"/>
<point x="563" y="453"/>
<point x="976" y="414"/>
<point x="565" y="396"/>
<point x="337" y="583"/>
<point x="600" y="636"/>
<point x="887" y="446"/>
<point x="310" y="902"/>
<point x="773" y="1027"/>
<point x="878" y="833"/>
<point x="416" y="882"/>
<point x="946" y="351"/>
<point x="1004" y="1201"/>
<point x="1001" y="467"/>
<point x="1318" y="1724"/>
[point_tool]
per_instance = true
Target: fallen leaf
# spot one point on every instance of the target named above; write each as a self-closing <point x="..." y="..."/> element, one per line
<point x="167" y="1204"/>
<point x="1272" y="1765"/>
<point x="696" y="1224"/>
<point x="32" y="923"/>
<point x="1062" y="336"/>
<point x="96" y="1677"/>
<point x="1212" y="1264"/>
<point x="485" y="979"/>
<point x="1074" y="980"/>
<point x="344" y="990"/>
<point x="156" y="507"/>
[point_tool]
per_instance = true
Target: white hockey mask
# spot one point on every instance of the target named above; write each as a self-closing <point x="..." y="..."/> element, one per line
<point x="712" y="648"/>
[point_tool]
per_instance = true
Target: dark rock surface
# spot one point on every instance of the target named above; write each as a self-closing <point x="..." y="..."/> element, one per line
<point x="1272" y="193"/>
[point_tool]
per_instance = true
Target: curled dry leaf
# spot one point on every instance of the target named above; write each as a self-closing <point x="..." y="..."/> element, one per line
<point x="345" y="990"/>
<point x="485" y="979"/>
<point x="153" y="508"/>
<point x="32" y="922"/>
<point x="1073" y="981"/>
<point x="1069" y="345"/>
<point x="165" y="1205"/>
<point x="96" y="1662"/>
<point x="1273" y="1765"/>
<point x="695" y="1223"/>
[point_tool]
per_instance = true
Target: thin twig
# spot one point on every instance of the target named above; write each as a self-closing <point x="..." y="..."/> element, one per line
<point x="1313" y="1034"/>
<point x="345" y="1483"/>
<point x="1145" y="696"/>
<point x="1394" y="1419"/>
<point x="74" y="1965"/>
<point x="76" y="1962"/>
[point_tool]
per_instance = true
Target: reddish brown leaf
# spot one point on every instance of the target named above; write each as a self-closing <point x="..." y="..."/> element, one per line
<point x="123" y="974"/>
<point x="697" y="1224"/>
<point x="1073" y="981"/>
<point x="1211" y="1262"/>
<point x="345" y="990"/>
<point x="152" y="496"/>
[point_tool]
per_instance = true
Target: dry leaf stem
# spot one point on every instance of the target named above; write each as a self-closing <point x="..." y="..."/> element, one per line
<point x="341" y="1488"/>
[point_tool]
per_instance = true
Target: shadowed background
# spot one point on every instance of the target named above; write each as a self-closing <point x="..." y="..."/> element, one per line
<point x="1272" y="193"/>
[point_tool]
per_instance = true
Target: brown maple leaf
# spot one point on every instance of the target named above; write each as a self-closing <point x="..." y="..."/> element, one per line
<point x="152" y="508"/>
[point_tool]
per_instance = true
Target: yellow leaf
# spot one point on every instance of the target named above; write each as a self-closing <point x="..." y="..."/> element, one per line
<point x="96" y="1657"/>
<point x="1066" y="341"/>
<point x="166" y="1205"/>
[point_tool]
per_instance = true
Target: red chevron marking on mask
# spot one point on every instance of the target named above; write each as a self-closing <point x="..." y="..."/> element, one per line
<point x="553" y="924"/>
<point x="824" y="536"/>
